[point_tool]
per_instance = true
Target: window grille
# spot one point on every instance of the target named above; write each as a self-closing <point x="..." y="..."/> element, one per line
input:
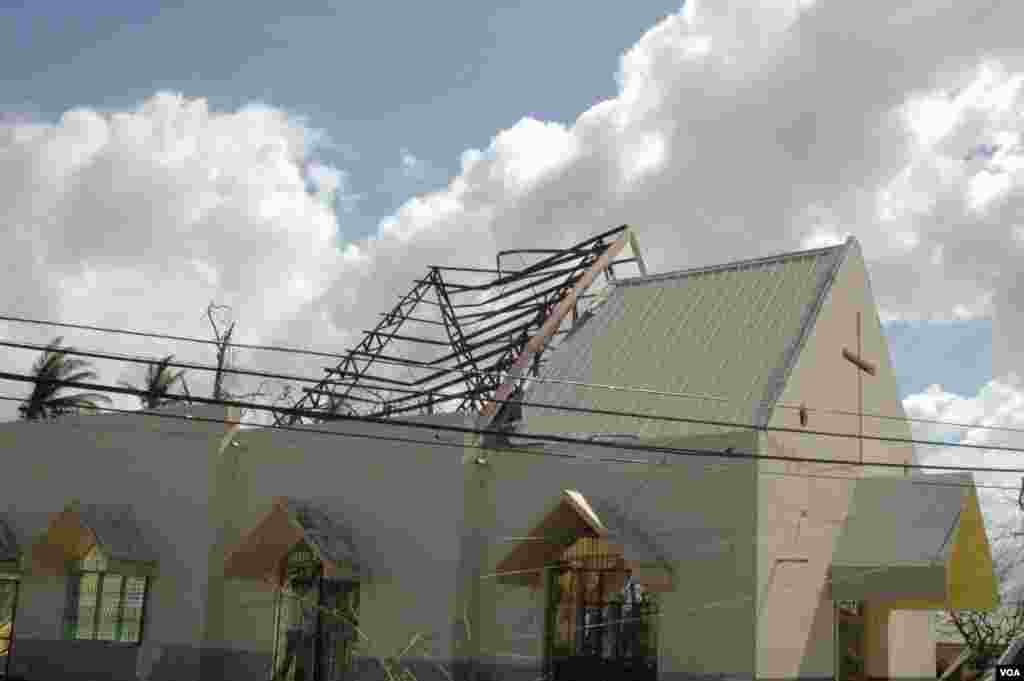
<point x="601" y="622"/>
<point x="316" y="620"/>
<point x="104" y="606"/>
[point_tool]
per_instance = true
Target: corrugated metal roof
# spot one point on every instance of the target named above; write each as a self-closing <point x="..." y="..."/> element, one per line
<point x="643" y="541"/>
<point x="902" y="520"/>
<point x="117" y="532"/>
<point x="327" y="537"/>
<point x="729" y="330"/>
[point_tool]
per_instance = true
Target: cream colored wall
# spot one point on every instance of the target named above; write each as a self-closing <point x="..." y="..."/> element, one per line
<point x="706" y="623"/>
<point x="156" y="465"/>
<point x="799" y="517"/>
<point x="40" y="607"/>
<point x="912" y="640"/>
<point x="900" y="643"/>
<point x="403" y="503"/>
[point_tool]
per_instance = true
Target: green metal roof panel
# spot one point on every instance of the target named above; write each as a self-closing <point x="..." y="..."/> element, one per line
<point x="731" y="330"/>
<point x="896" y="520"/>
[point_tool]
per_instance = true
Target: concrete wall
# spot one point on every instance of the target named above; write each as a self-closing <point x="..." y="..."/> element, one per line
<point x="706" y="622"/>
<point x="800" y="517"/>
<point x="161" y="467"/>
<point x="403" y="503"/>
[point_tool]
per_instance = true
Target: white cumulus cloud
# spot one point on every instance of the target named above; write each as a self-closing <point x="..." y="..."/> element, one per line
<point x="138" y="219"/>
<point x="739" y="128"/>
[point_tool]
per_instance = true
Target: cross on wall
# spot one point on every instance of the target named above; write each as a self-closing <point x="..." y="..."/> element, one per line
<point x="863" y="367"/>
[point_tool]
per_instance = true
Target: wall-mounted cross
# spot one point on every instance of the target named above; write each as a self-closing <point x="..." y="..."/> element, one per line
<point x="863" y="367"/>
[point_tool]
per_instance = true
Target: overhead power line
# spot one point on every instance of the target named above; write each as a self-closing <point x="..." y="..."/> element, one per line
<point x="564" y="380"/>
<point x="511" y="448"/>
<point x="143" y="359"/>
<point x="164" y="336"/>
<point x="412" y="364"/>
<point x="603" y="412"/>
<point x="729" y="453"/>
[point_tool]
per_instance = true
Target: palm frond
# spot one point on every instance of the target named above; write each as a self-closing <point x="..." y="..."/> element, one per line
<point x="52" y="370"/>
<point x="79" y="377"/>
<point x="80" y="399"/>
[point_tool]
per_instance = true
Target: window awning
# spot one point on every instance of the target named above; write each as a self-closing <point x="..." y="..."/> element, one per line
<point x="79" y="528"/>
<point x="918" y="542"/>
<point x="259" y="554"/>
<point x="573" y="517"/>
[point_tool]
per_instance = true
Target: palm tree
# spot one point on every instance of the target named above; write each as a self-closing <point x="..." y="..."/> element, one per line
<point x="159" y="379"/>
<point x="53" y="367"/>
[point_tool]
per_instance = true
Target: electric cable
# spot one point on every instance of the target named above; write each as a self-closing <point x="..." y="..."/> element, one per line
<point x="607" y="412"/>
<point x="657" y="449"/>
<point x="540" y="379"/>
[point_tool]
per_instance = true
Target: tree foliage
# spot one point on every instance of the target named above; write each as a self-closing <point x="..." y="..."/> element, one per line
<point x="987" y="634"/>
<point x="159" y="379"/>
<point x="48" y="398"/>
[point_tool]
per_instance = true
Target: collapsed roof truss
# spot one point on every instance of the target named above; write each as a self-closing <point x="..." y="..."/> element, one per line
<point x="446" y="343"/>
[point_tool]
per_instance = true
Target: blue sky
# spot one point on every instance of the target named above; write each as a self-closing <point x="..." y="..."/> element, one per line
<point x="962" y="348"/>
<point x="432" y="80"/>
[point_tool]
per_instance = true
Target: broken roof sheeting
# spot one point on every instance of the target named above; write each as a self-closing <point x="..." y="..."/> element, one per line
<point x="730" y="330"/>
<point x="574" y="517"/>
<point x="117" y="532"/>
<point x="73" y="532"/>
<point x="259" y="554"/>
<point x="329" y="539"/>
<point x="919" y="539"/>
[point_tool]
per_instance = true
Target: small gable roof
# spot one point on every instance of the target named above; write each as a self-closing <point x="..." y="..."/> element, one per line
<point x="730" y="330"/>
<point x="919" y="540"/>
<point x="574" y="517"/>
<point x="73" y="532"/>
<point x="117" y="532"/>
<point x="291" y="520"/>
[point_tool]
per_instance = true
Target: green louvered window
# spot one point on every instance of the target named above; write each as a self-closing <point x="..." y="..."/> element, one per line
<point x="105" y="606"/>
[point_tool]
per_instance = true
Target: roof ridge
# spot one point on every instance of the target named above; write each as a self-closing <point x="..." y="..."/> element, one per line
<point x="749" y="262"/>
<point x="781" y="375"/>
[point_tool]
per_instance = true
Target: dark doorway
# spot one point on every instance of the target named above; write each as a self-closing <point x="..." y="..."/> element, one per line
<point x="601" y="623"/>
<point x="850" y="641"/>
<point x="315" y="622"/>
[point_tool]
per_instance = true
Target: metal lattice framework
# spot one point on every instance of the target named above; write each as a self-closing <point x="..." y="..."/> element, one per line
<point x="448" y="341"/>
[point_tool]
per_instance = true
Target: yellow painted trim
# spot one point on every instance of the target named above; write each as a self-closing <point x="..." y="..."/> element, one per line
<point x="970" y="578"/>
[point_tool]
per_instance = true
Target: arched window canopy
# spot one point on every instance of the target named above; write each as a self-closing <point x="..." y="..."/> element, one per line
<point x="290" y="522"/>
<point x="573" y="517"/>
<point x="80" y="528"/>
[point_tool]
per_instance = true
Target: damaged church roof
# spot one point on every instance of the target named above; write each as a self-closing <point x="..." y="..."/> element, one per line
<point x="727" y="330"/>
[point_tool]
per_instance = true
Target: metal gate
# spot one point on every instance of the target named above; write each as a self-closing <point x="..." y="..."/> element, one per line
<point x="850" y="641"/>
<point x="600" y="623"/>
<point x="315" y="623"/>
